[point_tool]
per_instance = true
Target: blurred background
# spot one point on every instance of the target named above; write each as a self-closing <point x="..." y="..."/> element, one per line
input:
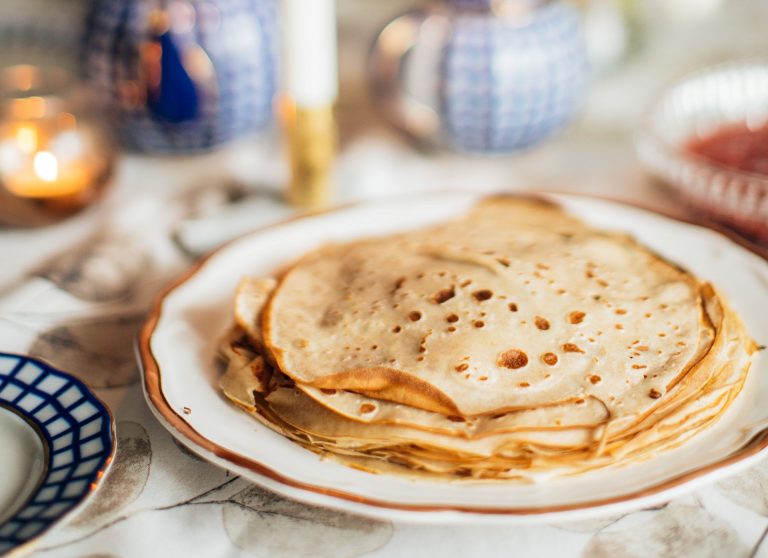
<point x="415" y="108"/>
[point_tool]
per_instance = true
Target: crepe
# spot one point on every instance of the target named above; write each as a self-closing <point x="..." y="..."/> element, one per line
<point x="509" y="342"/>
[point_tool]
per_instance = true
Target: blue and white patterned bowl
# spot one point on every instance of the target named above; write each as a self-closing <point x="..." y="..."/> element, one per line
<point x="506" y="85"/>
<point x="482" y="76"/>
<point x="77" y="434"/>
<point x="184" y="75"/>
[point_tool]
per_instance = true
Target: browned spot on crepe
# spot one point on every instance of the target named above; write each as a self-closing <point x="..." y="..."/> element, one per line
<point x="549" y="358"/>
<point x="443" y="295"/>
<point x="513" y="359"/>
<point x="576" y="317"/>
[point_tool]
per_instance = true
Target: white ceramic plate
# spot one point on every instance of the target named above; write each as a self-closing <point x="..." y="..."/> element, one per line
<point x="178" y="345"/>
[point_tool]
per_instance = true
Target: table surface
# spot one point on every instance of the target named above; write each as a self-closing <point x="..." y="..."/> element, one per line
<point x="75" y="294"/>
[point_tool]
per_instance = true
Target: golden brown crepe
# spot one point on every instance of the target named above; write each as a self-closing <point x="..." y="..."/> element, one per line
<point x="510" y="341"/>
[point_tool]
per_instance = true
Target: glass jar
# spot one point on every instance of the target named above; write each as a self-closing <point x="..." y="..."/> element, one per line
<point x="56" y="155"/>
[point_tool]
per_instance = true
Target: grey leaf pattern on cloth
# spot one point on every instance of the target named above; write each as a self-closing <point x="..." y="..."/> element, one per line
<point x="125" y="480"/>
<point x="678" y="531"/>
<point x="588" y="525"/>
<point x="186" y="451"/>
<point x="749" y="489"/>
<point x="97" y="350"/>
<point x="99" y="271"/>
<point x="257" y="521"/>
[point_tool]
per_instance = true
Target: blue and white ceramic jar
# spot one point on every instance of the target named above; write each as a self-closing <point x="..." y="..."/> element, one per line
<point x="184" y="75"/>
<point x="482" y="75"/>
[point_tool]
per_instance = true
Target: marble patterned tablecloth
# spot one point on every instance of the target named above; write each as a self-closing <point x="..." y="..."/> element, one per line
<point x="76" y="293"/>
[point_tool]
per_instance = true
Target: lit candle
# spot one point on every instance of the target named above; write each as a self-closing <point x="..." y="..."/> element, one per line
<point x="55" y="154"/>
<point x="310" y="88"/>
<point x="36" y="165"/>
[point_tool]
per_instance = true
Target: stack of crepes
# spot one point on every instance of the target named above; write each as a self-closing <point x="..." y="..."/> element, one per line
<point x="510" y="342"/>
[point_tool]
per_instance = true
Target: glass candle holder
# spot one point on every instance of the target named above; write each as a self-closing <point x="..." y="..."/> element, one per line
<point x="56" y="153"/>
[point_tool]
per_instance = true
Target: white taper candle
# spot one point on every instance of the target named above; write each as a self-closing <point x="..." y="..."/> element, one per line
<point x="310" y="52"/>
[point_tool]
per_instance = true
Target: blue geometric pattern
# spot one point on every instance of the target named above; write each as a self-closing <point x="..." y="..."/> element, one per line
<point x="77" y="433"/>
<point x="239" y="37"/>
<point x="508" y="84"/>
<point x="487" y="5"/>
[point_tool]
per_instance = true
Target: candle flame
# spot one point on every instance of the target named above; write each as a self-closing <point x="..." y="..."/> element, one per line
<point x="46" y="166"/>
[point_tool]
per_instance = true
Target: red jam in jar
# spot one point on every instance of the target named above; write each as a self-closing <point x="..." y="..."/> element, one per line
<point x="734" y="146"/>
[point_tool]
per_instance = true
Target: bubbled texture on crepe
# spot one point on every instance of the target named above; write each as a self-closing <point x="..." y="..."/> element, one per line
<point x="604" y="389"/>
<point x="487" y="313"/>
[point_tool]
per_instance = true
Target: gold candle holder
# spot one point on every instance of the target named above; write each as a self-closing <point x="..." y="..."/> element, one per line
<point x="311" y="138"/>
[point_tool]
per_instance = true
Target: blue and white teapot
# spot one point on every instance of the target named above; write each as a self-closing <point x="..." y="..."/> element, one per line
<point x="184" y="75"/>
<point x="481" y="75"/>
